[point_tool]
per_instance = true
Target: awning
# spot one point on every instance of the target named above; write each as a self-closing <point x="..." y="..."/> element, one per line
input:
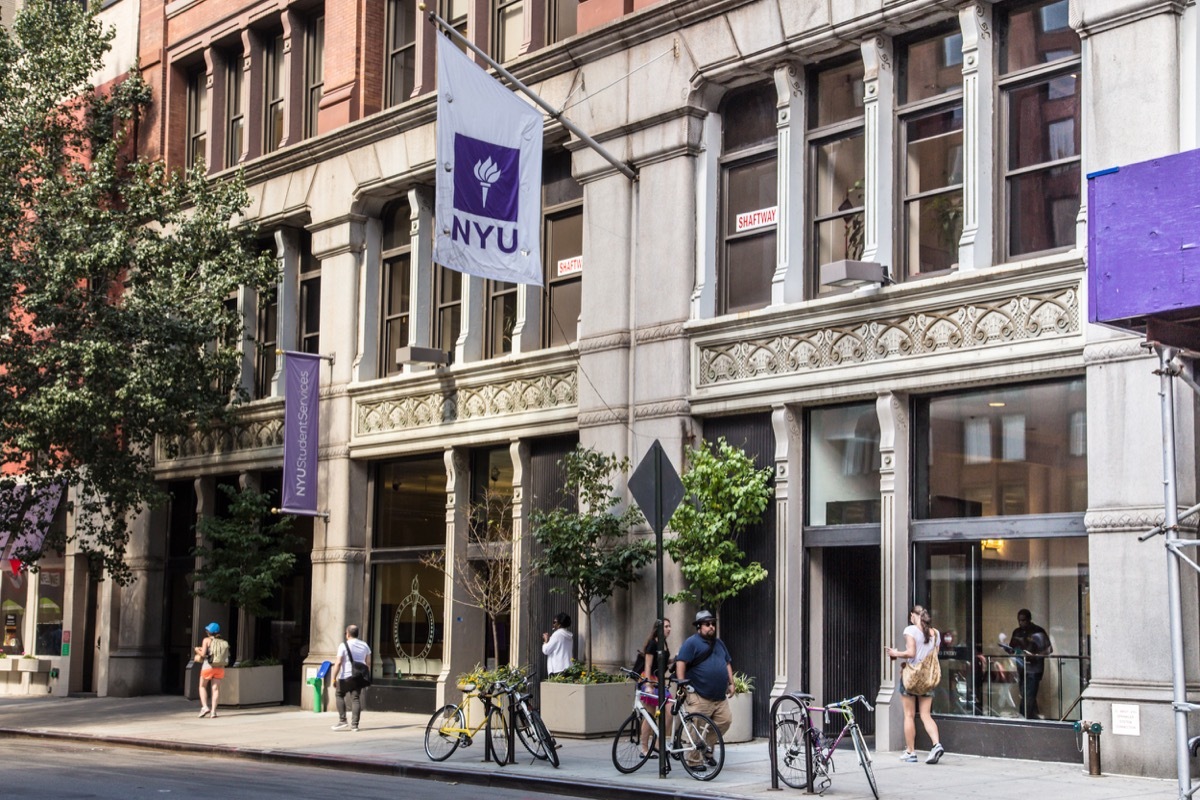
<point x="26" y="521"/>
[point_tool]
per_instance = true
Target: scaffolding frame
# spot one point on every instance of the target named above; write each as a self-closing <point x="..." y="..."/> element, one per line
<point x="1171" y="366"/>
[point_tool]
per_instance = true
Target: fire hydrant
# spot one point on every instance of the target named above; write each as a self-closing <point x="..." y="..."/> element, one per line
<point x="1092" y="729"/>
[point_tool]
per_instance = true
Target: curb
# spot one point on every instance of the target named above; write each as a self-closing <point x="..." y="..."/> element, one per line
<point x="571" y="787"/>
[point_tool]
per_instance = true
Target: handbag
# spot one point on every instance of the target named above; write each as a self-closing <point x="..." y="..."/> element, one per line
<point x="924" y="677"/>
<point x="360" y="673"/>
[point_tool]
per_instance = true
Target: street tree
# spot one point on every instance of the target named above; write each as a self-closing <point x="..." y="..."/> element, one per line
<point x="114" y="278"/>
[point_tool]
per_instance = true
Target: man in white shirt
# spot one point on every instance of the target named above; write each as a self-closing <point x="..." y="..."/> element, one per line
<point x="353" y="649"/>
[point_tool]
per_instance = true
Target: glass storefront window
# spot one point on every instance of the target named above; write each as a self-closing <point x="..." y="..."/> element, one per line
<point x="1003" y="451"/>
<point x="407" y="622"/>
<point x="843" y="465"/>
<point x="411" y="503"/>
<point x="49" y="611"/>
<point x="974" y="591"/>
<point x="14" y="590"/>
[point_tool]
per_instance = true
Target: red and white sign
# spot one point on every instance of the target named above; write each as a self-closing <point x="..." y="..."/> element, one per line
<point x="757" y="219"/>
<point x="570" y="266"/>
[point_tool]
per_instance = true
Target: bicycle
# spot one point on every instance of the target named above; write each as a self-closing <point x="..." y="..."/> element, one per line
<point x="791" y="760"/>
<point x="450" y="726"/>
<point x="527" y="722"/>
<point x="690" y="744"/>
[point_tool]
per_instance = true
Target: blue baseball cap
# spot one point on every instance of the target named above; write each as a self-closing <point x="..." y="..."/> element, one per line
<point x="213" y="628"/>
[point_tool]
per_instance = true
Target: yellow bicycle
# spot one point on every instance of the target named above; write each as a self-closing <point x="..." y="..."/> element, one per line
<point x="450" y="726"/>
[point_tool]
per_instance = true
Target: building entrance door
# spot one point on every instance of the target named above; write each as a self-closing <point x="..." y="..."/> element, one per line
<point x="850" y="624"/>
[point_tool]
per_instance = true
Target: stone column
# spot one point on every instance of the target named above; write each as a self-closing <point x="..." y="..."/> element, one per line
<point x="894" y="483"/>
<point x="976" y="246"/>
<point x="787" y="285"/>
<point x="287" y="296"/>
<point x="252" y="95"/>
<point x="215" y="79"/>
<point x="420" y="203"/>
<point x="135" y="657"/>
<point x="522" y="548"/>
<point x="463" y="623"/>
<point x="790" y="581"/>
<point x="879" y="136"/>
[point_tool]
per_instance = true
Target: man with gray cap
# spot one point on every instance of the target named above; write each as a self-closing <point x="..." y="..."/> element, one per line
<point x="704" y="662"/>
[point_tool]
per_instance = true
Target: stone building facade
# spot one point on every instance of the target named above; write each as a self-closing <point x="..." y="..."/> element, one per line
<point x="953" y="433"/>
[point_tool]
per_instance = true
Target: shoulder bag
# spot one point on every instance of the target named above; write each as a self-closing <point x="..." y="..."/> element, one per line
<point x="360" y="673"/>
<point x="923" y="678"/>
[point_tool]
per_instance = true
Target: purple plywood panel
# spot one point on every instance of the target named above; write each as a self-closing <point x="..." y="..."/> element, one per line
<point x="1144" y="242"/>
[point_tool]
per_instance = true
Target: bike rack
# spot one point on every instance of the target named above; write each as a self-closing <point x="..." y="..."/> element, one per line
<point x="802" y="701"/>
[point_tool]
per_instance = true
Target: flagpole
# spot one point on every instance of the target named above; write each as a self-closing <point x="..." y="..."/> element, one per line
<point x="622" y="167"/>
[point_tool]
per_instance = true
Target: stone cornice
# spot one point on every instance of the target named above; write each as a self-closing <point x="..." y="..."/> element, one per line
<point x="1090" y="25"/>
<point x="1130" y="519"/>
<point x="339" y="555"/>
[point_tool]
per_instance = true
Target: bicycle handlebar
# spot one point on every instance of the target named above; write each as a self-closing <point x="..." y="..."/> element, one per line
<point x="849" y="701"/>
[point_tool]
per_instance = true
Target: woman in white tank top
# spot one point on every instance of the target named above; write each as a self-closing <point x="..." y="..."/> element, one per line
<point x="920" y="639"/>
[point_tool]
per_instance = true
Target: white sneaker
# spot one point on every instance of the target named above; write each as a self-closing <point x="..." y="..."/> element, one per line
<point x="909" y="758"/>
<point x="341" y="726"/>
<point x="935" y="754"/>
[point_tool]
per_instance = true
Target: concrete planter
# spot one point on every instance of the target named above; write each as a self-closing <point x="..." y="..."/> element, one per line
<point x="8" y="664"/>
<point x="32" y="664"/>
<point x="252" y="686"/>
<point x="585" y="710"/>
<point x="741" y="709"/>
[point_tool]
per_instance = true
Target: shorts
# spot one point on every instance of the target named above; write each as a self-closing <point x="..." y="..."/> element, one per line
<point x="212" y="673"/>
<point x="649" y="696"/>
<point x="904" y="692"/>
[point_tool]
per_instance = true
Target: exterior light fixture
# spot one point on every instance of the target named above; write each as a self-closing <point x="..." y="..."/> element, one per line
<point x="846" y="273"/>
<point x="421" y="355"/>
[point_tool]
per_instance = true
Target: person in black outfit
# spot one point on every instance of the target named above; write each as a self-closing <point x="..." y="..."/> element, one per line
<point x="1029" y="643"/>
<point x="650" y="672"/>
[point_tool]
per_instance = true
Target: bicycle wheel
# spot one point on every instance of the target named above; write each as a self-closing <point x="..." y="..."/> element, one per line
<point x="547" y="740"/>
<point x="864" y="758"/>
<point x="701" y="737"/>
<point x="440" y="742"/>
<point x="627" y="752"/>
<point x="790" y="762"/>
<point x="528" y="734"/>
<point x="497" y="732"/>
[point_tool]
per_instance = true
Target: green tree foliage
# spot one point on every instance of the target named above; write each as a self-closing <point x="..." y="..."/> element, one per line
<point x="588" y="547"/>
<point x="724" y="495"/>
<point x="114" y="275"/>
<point x="246" y="554"/>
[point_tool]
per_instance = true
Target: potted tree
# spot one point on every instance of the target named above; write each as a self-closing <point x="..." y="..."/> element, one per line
<point x="586" y="546"/>
<point x="244" y="560"/>
<point x="724" y="494"/>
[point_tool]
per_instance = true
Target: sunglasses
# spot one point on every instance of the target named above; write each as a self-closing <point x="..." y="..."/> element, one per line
<point x="707" y="624"/>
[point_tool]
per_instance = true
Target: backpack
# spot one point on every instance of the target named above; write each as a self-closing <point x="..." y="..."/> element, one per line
<point x="218" y="652"/>
<point x="639" y="662"/>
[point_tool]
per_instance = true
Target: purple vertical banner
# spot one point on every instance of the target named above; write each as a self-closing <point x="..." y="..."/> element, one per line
<point x="300" y="433"/>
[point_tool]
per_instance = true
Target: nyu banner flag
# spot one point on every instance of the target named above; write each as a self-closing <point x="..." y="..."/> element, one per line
<point x="303" y="374"/>
<point x="489" y="174"/>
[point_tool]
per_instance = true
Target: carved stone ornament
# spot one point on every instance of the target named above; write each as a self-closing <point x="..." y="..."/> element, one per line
<point x="1007" y="320"/>
<point x="555" y="390"/>
<point x="243" y="435"/>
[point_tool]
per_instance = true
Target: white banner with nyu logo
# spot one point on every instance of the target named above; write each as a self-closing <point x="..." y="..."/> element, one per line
<point x="489" y="174"/>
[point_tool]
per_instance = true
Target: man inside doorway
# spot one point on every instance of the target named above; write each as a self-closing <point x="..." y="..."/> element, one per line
<point x="1030" y="643"/>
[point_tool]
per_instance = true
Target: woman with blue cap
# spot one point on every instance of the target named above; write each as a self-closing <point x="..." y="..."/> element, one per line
<point x="213" y="654"/>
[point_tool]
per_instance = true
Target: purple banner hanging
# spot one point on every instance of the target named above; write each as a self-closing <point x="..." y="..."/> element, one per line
<point x="300" y="437"/>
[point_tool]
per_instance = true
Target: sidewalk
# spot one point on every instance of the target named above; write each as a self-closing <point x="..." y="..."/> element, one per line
<point x="391" y="743"/>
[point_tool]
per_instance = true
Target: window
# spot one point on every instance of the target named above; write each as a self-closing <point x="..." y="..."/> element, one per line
<point x="235" y="116"/>
<point x="1039" y="84"/>
<point x="749" y="189"/>
<point x="1003" y="451"/>
<point x="48" y="634"/>
<point x="14" y="594"/>
<point x="492" y="530"/>
<point x="455" y="13"/>
<point x="976" y="589"/>
<point x="843" y="465"/>
<point x="314" y="73"/>
<point x="310" y="297"/>
<point x="401" y="49"/>
<point x="562" y="210"/>
<point x="508" y="26"/>
<point x="407" y="603"/>
<point x="837" y="164"/>
<point x="273" y="82"/>
<point x="197" y="115"/>
<point x="931" y="125"/>
<point x="501" y="318"/>
<point x="233" y="331"/>
<point x="266" y="338"/>
<point x="561" y="18"/>
<point x="397" y="282"/>
<point x="447" y="309"/>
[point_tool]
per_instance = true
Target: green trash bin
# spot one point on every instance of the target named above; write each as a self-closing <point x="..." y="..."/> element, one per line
<point x="318" y="684"/>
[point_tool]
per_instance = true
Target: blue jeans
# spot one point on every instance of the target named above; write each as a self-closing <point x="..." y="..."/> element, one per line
<point x="1030" y="681"/>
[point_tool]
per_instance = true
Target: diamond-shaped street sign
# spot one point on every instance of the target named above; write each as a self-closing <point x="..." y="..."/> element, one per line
<point x="656" y="487"/>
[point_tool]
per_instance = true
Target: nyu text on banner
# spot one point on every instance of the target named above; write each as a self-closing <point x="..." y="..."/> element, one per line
<point x="300" y="439"/>
<point x="489" y="174"/>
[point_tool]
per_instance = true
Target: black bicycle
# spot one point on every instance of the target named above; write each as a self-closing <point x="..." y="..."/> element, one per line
<point x="527" y="722"/>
